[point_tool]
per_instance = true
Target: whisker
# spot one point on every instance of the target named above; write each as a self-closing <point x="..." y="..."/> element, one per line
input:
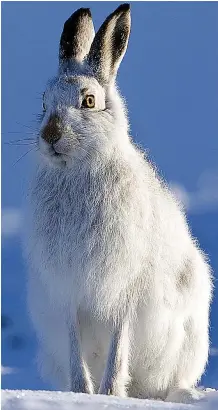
<point x="22" y="156"/>
<point x="19" y="132"/>
<point x="80" y="137"/>
<point x="96" y="150"/>
<point x="20" y="143"/>
<point x="23" y="125"/>
<point x="88" y="155"/>
<point x="23" y="141"/>
<point x="84" y="150"/>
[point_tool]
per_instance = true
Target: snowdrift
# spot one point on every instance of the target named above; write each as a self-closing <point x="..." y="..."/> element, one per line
<point x="48" y="400"/>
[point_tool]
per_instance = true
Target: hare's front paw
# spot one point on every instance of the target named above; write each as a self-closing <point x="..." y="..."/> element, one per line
<point x="81" y="384"/>
<point x="113" y="388"/>
<point x="187" y="396"/>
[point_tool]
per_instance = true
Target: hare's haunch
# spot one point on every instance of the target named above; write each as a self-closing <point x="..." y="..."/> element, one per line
<point x="118" y="290"/>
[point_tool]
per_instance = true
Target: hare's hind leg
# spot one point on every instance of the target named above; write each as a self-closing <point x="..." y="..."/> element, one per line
<point x="194" y="351"/>
<point x="191" y="363"/>
<point x="187" y="396"/>
<point x="116" y="375"/>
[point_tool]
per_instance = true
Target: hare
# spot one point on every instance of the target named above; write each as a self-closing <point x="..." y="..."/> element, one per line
<point x="118" y="289"/>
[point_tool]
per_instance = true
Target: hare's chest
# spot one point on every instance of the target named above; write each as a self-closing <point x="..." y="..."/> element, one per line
<point x="54" y="229"/>
<point x="67" y="226"/>
<point x="86" y="226"/>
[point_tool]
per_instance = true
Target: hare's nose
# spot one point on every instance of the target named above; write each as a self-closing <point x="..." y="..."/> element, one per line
<point x="52" y="130"/>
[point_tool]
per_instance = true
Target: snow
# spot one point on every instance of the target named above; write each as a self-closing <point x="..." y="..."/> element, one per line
<point x="46" y="400"/>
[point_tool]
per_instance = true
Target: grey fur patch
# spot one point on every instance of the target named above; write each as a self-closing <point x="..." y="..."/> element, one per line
<point x="184" y="279"/>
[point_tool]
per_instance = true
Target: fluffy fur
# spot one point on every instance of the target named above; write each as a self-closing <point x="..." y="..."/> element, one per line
<point x="118" y="290"/>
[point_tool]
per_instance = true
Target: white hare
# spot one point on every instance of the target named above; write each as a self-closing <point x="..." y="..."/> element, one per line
<point x="118" y="289"/>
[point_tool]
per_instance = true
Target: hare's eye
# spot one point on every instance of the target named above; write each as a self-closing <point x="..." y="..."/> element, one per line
<point x="89" y="101"/>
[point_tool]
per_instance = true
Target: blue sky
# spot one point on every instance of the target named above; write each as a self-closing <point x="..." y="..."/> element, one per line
<point x="169" y="79"/>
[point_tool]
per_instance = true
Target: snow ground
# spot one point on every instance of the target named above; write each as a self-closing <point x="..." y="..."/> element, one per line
<point x="46" y="400"/>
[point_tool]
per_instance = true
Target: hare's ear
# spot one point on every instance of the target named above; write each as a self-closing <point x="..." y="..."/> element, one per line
<point x="77" y="36"/>
<point x="109" y="45"/>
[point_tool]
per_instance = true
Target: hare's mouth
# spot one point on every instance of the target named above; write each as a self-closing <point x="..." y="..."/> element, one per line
<point x="52" y="154"/>
<point x="51" y="151"/>
<point x="56" y="153"/>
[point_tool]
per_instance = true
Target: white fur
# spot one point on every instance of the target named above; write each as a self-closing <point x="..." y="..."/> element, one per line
<point x="117" y="285"/>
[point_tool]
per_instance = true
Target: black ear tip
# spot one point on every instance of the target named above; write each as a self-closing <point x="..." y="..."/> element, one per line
<point x="85" y="12"/>
<point x="80" y="13"/>
<point x="124" y="7"/>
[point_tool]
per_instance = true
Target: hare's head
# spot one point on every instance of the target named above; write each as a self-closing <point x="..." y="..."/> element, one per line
<point x="83" y="113"/>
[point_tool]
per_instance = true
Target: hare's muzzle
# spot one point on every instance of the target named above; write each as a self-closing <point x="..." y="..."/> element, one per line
<point x="51" y="132"/>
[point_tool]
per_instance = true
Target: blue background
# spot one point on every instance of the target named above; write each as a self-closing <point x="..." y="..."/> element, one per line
<point x="169" y="78"/>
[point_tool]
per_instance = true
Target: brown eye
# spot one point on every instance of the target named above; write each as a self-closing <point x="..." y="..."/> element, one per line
<point x="89" y="101"/>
